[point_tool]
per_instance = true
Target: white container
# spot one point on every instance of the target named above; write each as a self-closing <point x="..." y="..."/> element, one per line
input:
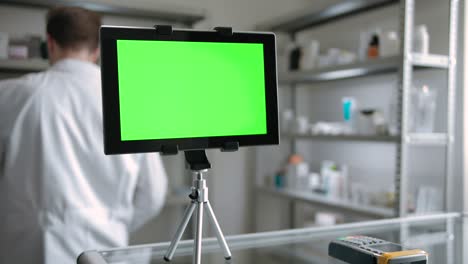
<point x="310" y="54"/>
<point x="364" y="37"/>
<point x="346" y="57"/>
<point x="302" y="169"/>
<point x="4" y="45"/>
<point x="325" y="219"/>
<point x="18" y="52"/>
<point x="287" y="121"/>
<point x="389" y="44"/>
<point x="334" y="184"/>
<point x="421" y="40"/>
<point x="302" y="125"/>
<point x="302" y="177"/>
<point x="291" y="176"/>
<point x="297" y="176"/>
<point x="369" y="120"/>
<point x="366" y="125"/>
<point x="423" y="107"/>
<point x="313" y="181"/>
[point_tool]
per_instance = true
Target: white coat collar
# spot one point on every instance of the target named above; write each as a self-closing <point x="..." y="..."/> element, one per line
<point x="74" y="65"/>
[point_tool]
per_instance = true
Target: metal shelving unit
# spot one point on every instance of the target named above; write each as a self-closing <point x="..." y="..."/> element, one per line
<point x="403" y="65"/>
<point x="408" y="61"/>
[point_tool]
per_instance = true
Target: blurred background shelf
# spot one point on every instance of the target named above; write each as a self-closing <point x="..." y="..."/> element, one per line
<point x="320" y="199"/>
<point x="373" y="138"/>
<point x="353" y="70"/>
<point x="308" y="18"/>
<point x="415" y="139"/>
<point x="360" y="69"/>
<point x="186" y="16"/>
<point x="427" y="139"/>
<point x="377" y="66"/>
<point x="430" y="60"/>
<point x="23" y="66"/>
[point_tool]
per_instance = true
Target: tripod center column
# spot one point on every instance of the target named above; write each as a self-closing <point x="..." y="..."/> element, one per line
<point x="199" y="186"/>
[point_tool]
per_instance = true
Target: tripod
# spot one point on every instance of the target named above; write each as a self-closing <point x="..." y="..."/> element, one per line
<point x="198" y="163"/>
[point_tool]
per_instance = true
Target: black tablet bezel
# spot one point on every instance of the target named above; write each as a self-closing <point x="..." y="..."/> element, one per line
<point x="110" y="90"/>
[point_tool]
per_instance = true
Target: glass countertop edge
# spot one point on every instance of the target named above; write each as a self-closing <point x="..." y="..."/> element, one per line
<point x="270" y="238"/>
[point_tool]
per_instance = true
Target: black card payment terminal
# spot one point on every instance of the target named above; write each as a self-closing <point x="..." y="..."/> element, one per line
<point x="369" y="250"/>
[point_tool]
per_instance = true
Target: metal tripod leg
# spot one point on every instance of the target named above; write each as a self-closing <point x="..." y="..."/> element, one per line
<point x="180" y="231"/>
<point x="198" y="236"/>
<point x="199" y="198"/>
<point x="219" y="233"/>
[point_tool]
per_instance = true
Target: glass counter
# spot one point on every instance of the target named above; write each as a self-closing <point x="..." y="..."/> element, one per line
<point x="433" y="233"/>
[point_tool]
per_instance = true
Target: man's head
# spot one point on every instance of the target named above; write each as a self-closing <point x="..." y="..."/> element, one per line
<point x="73" y="32"/>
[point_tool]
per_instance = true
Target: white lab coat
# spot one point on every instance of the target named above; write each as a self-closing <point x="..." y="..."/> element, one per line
<point x="59" y="193"/>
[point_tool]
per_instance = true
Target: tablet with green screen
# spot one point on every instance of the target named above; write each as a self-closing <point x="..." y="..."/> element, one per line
<point x="187" y="90"/>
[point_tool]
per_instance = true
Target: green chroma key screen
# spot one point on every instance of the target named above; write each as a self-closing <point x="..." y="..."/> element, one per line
<point x="177" y="89"/>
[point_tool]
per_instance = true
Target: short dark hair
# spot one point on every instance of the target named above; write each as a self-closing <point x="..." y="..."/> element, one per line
<point x="74" y="27"/>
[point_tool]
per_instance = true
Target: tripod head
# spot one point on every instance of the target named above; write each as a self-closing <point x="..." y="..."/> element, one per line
<point x="196" y="160"/>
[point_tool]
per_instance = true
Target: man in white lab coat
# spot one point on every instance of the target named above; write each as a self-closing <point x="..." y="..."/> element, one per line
<point x="59" y="193"/>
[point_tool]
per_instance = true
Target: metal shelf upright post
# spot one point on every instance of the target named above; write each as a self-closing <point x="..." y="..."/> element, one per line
<point x="404" y="95"/>
<point x="409" y="139"/>
<point x="293" y="148"/>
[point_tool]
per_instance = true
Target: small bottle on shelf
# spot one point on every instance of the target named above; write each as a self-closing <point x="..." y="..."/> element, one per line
<point x="373" y="49"/>
<point x="421" y="40"/>
<point x="296" y="172"/>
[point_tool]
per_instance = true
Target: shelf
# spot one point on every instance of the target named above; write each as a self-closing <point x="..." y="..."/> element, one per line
<point x="359" y="69"/>
<point x="430" y="60"/>
<point x="322" y="200"/>
<point x="374" y="138"/>
<point x="370" y="67"/>
<point x="309" y="17"/>
<point x="414" y="139"/>
<point x="429" y="139"/>
<point x="175" y="15"/>
<point x="23" y="66"/>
